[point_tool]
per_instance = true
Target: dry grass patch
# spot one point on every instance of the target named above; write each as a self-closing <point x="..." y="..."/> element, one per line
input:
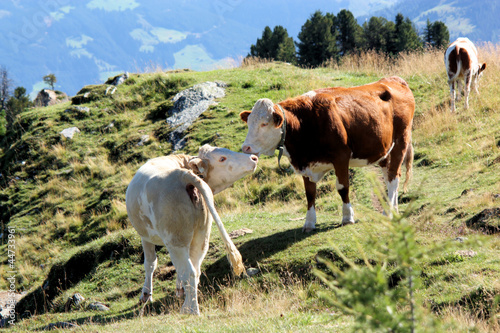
<point x="406" y="64"/>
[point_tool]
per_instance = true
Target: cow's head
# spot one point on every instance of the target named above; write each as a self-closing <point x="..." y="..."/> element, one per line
<point x="221" y="167"/>
<point x="482" y="67"/>
<point x="264" y="128"/>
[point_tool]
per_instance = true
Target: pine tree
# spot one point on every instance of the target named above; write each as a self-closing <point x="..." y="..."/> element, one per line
<point x="440" y="35"/>
<point x="276" y="45"/>
<point x="317" y="42"/>
<point x="407" y="38"/>
<point x="262" y="47"/>
<point x="349" y="32"/>
<point x="436" y="34"/>
<point x="16" y="104"/>
<point x="428" y="34"/>
<point x="374" y="35"/>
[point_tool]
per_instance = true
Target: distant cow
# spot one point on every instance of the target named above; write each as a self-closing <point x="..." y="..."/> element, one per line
<point x="168" y="203"/>
<point x="462" y="64"/>
<point x="338" y="128"/>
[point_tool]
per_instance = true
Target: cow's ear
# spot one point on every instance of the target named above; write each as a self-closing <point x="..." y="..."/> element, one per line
<point x="483" y="67"/>
<point x="244" y="115"/>
<point x="199" y="167"/>
<point x="277" y="117"/>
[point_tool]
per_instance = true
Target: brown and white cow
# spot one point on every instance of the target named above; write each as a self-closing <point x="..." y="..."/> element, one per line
<point x="462" y="63"/>
<point x="338" y="128"/>
<point x="170" y="202"/>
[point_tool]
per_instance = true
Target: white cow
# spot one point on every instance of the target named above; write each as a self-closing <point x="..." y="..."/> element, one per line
<point x="168" y="203"/>
<point x="462" y="64"/>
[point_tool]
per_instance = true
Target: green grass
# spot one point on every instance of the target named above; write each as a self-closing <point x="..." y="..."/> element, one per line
<point x="66" y="200"/>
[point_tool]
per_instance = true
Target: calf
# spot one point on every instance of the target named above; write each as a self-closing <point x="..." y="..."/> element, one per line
<point x="337" y="128"/>
<point x="168" y="203"/>
<point x="462" y="64"/>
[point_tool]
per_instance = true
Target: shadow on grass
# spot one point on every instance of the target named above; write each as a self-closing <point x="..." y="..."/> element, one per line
<point x="214" y="276"/>
<point x="256" y="250"/>
<point x="162" y="306"/>
<point x="64" y="275"/>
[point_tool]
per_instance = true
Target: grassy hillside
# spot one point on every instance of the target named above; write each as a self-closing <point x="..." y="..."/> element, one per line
<point x="66" y="201"/>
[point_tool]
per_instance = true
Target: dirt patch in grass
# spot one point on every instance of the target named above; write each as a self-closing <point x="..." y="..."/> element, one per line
<point x="487" y="221"/>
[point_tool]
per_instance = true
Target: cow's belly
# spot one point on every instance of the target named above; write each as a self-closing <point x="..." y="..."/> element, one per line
<point x="315" y="171"/>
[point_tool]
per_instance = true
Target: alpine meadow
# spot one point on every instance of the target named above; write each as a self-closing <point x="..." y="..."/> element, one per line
<point x="434" y="267"/>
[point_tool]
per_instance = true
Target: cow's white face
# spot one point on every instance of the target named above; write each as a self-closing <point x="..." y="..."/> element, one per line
<point x="221" y="167"/>
<point x="264" y="128"/>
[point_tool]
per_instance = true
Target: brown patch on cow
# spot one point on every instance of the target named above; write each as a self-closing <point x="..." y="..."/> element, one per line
<point x="452" y="64"/>
<point x="464" y="58"/>
<point x="244" y="115"/>
<point x="277" y="116"/>
<point x="482" y="68"/>
<point x="194" y="194"/>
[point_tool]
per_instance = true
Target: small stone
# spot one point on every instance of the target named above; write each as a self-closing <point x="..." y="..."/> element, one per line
<point x="466" y="253"/>
<point x="98" y="306"/>
<point x="252" y="271"/>
<point x="69" y="132"/>
<point x="240" y="232"/>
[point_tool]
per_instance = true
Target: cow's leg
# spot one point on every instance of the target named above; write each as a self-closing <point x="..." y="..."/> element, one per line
<point x="199" y="248"/>
<point x="452" y="95"/>
<point x="392" y="191"/>
<point x="310" y="223"/>
<point x="460" y="90"/>
<point x="186" y="278"/>
<point x="468" y="80"/>
<point x="392" y="170"/>
<point x="342" y="185"/>
<point x="475" y="83"/>
<point x="150" y="262"/>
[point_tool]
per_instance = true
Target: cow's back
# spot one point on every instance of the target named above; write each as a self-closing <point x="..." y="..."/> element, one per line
<point x="158" y="203"/>
<point x="383" y="110"/>
<point x="460" y="56"/>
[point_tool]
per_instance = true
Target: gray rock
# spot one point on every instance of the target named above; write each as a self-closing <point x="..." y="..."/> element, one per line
<point x="189" y="104"/>
<point x="144" y="139"/>
<point x="77" y="299"/>
<point x="252" y="271"/>
<point x="98" y="306"/>
<point x="59" y="324"/>
<point x="69" y="132"/>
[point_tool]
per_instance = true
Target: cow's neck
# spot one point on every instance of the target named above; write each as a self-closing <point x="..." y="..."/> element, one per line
<point x="281" y="144"/>
<point x="292" y="131"/>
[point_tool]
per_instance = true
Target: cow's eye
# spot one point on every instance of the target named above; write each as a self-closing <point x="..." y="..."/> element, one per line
<point x="222" y="159"/>
<point x="263" y="124"/>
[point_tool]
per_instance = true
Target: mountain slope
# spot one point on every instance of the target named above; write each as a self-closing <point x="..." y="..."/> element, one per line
<point x="65" y="199"/>
<point x="464" y="18"/>
<point x="86" y="42"/>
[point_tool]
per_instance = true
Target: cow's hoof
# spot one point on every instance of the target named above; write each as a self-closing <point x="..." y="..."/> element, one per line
<point x="307" y="229"/>
<point x="190" y="311"/>
<point x="145" y="297"/>
<point x="179" y="292"/>
<point x="347" y="222"/>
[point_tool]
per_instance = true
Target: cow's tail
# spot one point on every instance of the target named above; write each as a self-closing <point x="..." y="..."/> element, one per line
<point x="408" y="161"/>
<point x="233" y="254"/>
